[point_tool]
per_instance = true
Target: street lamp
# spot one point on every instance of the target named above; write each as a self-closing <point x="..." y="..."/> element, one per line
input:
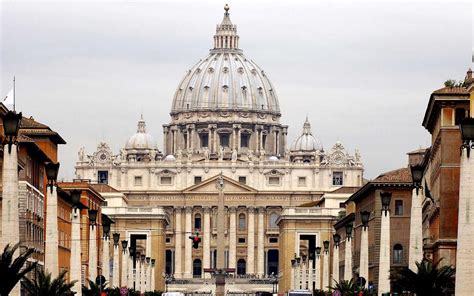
<point x="92" y="216"/>
<point x="106" y="228"/>
<point x="386" y="198"/>
<point x="142" y="257"/>
<point x="326" y="246"/>
<point x="337" y="239"/>
<point x="116" y="237"/>
<point x="75" y="197"/>
<point x="467" y="134"/>
<point x="124" y="246"/>
<point x="364" y="217"/>
<point x="348" y="230"/>
<point x="131" y="251"/>
<point x="52" y="174"/>
<point x="318" y="251"/>
<point x="417" y="175"/>
<point x="11" y="126"/>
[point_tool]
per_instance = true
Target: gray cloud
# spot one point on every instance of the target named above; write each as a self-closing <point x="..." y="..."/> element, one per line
<point x="362" y="71"/>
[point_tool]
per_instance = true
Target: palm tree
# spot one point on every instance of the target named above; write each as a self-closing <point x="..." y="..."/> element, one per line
<point x="43" y="285"/>
<point x="13" y="270"/>
<point x="430" y="280"/>
<point x="347" y="288"/>
<point x="94" y="289"/>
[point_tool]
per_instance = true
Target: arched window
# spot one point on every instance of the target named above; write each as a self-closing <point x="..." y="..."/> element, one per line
<point x="197" y="268"/>
<point x="241" y="267"/>
<point x="273" y="219"/>
<point x="397" y="254"/>
<point x="242" y="222"/>
<point x="197" y="221"/>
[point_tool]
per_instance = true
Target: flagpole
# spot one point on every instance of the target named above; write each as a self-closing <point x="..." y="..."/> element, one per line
<point x="14" y="93"/>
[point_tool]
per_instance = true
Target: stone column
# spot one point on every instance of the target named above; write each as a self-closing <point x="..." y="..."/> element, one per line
<point x="188" y="255"/>
<point x="138" y="270"/>
<point x="318" y="272"/>
<point x="124" y="273"/>
<point x="209" y="141"/>
<point x="384" y="255"/>
<point x="232" y="237"/>
<point x="116" y="268"/>
<point x="416" y="230"/>
<point x="292" y="280"/>
<point x="148" y="274"/>
<point x="142" y="275"/>
<point x="178" y="273"/>
<point x="464" y="251"/>
<point x="335" y="264"/>
<point x="130" y="272"/>
<point x="207" y="241"/>
<point x="251" y="241"/>
<point x="10" y="213"/>
<point x="364" y="254"/>
<point x="326" y="270"/>
<point x="75" y="259"/>
<point x="261" y="243"/>
<point x="92" y="252"/>
<point x="310" y="275"/>
<point x="304" y="272"/>
<point x="52" y="240"/>
<point x="105" y="258"/>
<point x="348" y="260"/>
<point x="152" y="275"/>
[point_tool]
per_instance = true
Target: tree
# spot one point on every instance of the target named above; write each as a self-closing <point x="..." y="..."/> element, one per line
<point x="429" y="280"/>
<point x="350" y="288"/>
<point x="13" y="271"/>
<point x="94" y="289"/>
<point x="44" y="285"/>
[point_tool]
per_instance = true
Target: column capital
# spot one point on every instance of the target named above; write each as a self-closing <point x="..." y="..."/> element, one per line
<point x="188" y="210"/>
<point x="178" y="209"/>
<point x="251" y="209"/>
<point x="236" y="126"/>
<point x="212" y="126"/>
<point x="261" y="210"/>
<point x="232" y="210"/>
<point x="206" y="209"/>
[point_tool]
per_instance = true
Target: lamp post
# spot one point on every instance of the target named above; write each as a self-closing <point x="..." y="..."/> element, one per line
<point x="106" y="249"/>
<point x="464" y="253"/>
<point x="318" y="267"/>
<point x="138" y="272"/>
<point x="326" y="265"/>
<point x="75" y="259"/>
<point x="364" y="245"/>
<point x="92" y="245"/>
<point x="335" y="257"/>
<point x="348" y="253"/>
<point x="124" y="263"/>
<point x="116" y="268"/>
<point x="415" y="252"/>
<point x="384" y="254"/>
<point x="295" y="263"/>
<point x="52" y="239"/>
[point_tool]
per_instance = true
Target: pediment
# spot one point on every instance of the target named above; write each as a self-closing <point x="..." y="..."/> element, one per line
<point x="209" y="186"/>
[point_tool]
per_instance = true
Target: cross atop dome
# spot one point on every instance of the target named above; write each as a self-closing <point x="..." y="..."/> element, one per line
<point x="226" y="33"/>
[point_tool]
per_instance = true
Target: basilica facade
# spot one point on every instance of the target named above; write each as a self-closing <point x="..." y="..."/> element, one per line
<point x="225" y="118"/>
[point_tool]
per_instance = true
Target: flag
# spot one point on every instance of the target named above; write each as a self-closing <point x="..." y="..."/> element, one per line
<point x="8" y="100"/>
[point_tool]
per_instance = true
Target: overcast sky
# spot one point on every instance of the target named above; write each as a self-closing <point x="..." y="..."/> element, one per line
<point x="363" y="72"/>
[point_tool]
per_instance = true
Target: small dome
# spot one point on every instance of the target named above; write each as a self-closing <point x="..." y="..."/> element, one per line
<point x="169" y="157"/>
<point x="273" y="158"/>
<point x="306" y="141"/>
<point x="141" y="140"/>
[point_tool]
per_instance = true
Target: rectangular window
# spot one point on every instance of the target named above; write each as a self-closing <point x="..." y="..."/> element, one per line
<point x="241" y="240"/>
<point x="103" y="177"/>
<point x="165" y="180"/>
<point x="168" y="240"/>
<point x="242" y="180"/>
<point x="224" y="140"/>
<point x="273" y="240"/>
<point x="399" y="208"/>
<point x="274" y="180"/>
<point x="197" y="179"/>
<point x="301" y="181"/>
<point x="138" y="181"/>
<point x="337" y="178"/>
<point x="244" y="140"/>
<point x="204" y="140"/>
<point x="264" y="141"/>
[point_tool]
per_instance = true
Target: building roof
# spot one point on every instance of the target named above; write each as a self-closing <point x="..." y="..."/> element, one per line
<point x="31" y="127"/>
<point x="396" y="178"/>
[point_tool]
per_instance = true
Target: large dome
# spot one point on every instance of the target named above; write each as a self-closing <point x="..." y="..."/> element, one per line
<point x="226" y="80"/>
<point x="306" y="142"/>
